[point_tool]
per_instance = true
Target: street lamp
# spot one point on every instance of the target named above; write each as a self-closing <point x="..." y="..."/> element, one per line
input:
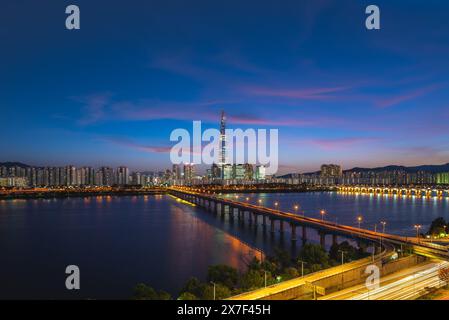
<point x="260" y="201"/>
<point x="417" y="227"/>
<point x="247" y="199"/>
<point x="383" y="226"/>
<point x="265" y="279"/>
<point x="322" y="212"/>
<point x="359" y="220"/>
<point x="383" y="231"/>
<point x="302" y="267"/>
<point x="214" y="288"/>
<point x="342" y="253"/>
<point x="276" y="204"/>
<point x="296" y="207"/>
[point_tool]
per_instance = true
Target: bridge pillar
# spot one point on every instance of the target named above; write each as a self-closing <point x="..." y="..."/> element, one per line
<point x="250" y="220"/>
<point x="272" y="225"/>
<point x="322" y="239"/>
<point x="334" y="239"/>
<point x="222" y="209"/>
<point x="281" y="226"/>
<point x="293" y="232"/>
<point x="255" y="216"/>
<point x="304" y="233"/>
<point x="264" y="220"/>
<point x="239" y="214"/>
<point x="231" y="213"/>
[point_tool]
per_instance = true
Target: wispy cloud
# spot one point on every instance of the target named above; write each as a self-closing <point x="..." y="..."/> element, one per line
<point x="406" y="96"/>
<point x="338" y="143"/>
<point x="94" y="106"/>
<point x="133" y="145"/>
<point x="314" y="93"/>
<point x="100" y="108"/>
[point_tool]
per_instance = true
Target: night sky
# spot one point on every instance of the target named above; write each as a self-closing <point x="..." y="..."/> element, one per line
<point x="112" y="92"/>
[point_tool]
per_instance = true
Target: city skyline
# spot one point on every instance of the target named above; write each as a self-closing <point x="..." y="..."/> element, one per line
<point x="112" y="93"/>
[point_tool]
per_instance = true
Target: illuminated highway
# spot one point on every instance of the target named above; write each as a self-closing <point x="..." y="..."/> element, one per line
<point x="286" y="285"/>
<point x="405" y="284"/>
<point x="409" y="287"/>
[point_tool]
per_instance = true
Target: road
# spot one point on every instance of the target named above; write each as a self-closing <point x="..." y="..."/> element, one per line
<point x="407" y="284"/>
<point x="289" y="284"/>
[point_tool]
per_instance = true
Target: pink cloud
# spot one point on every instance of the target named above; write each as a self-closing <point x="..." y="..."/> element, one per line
<point x="282" y="122"/>
<point x="145" y="148"/>
<point x="338" y="143"/>
<point x="317" y="93"/>
<point x="389" y="102"/>
<point x="99" y="108"/>
<point x="130" y="144"/>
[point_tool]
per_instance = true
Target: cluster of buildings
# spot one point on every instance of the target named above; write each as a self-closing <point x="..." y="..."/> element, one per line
<point x="227" y="174"/>
<point x="331" y="174"/>
<point x="20" y="176"/>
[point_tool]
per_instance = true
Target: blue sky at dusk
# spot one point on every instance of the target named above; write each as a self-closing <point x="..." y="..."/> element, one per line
<point x="112" y="92"/>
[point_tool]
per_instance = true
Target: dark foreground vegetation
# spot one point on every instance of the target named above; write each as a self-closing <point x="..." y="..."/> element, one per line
<point x="278" y="267"/>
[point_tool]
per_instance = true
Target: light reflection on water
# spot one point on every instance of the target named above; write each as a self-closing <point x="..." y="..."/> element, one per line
<point x="116" y="241"/>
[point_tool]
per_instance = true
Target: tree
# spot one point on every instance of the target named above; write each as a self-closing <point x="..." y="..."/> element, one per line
<point x="223" y="274"/>
<point x="350" y="253"/>
<point x="144" y="292"/>
<point x="281" y="258"/>
<point x="437" y="227"/>
<point x="187" y="296"/>
<point x="290" y="273"/>
<point x="221" y="292"/>
<point x="194" y="286"/>
<point x="254" y="264"/>
<point x="163" y="295"/>
<point x="314" y="254"/>
<point x="252" y="280"/>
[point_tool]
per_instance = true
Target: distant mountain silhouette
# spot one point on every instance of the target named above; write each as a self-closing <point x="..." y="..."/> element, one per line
<point x="427" y="168"/>
<point x="13" y="164"/>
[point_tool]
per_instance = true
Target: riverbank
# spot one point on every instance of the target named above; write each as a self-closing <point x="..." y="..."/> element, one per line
<point x="76" y="193"/>
<point x="50" y="193"/>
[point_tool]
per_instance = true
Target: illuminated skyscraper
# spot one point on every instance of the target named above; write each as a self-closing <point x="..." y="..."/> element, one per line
<point x="189" y="171"/>
<point x="222" y="160"/>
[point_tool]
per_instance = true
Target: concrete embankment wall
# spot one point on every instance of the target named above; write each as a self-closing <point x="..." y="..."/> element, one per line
<point x="346" y="279"/>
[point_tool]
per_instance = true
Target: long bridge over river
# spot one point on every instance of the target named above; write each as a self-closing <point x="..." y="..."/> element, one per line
<point x="335" y="278"/>
<point x="271" y="218"/>
<point x="440" y="192"/>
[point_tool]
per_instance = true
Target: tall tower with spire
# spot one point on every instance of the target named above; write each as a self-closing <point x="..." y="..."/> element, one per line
<point x="222" y="158"/>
